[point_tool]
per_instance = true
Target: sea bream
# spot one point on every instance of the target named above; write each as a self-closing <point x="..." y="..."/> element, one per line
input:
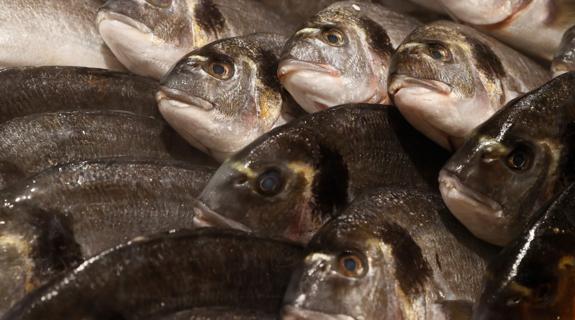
<point x="150" y="36"/>
<point x="154" y="276"/>
<point x="293" y="179"/>
<point x="62" y="32"/>
<point x="342" y="55"/>
<point x="564" y="60"/>
<point x="513" y="163"/>
<point x="393" y="254"/>
<point x="534" y="277"/>
<point x="29" y="90"/>
<point x="447" y="78"/>
<point x="223" y="96"/>
<point x="534" y="26"/>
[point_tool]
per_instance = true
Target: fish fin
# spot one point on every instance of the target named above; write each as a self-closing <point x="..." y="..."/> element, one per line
<point x="456" y="309"/>
<point x="566" y="13"/>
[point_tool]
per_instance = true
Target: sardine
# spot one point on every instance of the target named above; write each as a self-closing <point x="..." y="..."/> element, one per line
<point x="514" y="163"/>
<point x="447" y="79"/>
<point x="292" y="180"/>
<point x="564" y="60"/>
<point x="225" y="95"/>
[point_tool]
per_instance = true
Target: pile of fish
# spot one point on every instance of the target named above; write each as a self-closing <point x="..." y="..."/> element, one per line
<point x="287" y="159"/>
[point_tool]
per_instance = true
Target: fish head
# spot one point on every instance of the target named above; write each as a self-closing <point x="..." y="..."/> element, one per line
<point x="513" y="163"/>
<point x="149" y="36"/>
<point x="444" y="82"/>
<point x="483" y="12"/>
<point x="340" y="56"/>
<point x="359" y="267"/>
<point x="564" y="60"/>
<point x="223" y="96"/>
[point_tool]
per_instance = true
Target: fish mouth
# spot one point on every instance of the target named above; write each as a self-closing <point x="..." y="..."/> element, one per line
<point x="398" y="82"/>
<point x="479" y="213"/>
<point x="289" y="66"/>
<point x="182" y="100"/>
<point x="206" y="217"/>
<point x="294" y="313"/>
<point x="118" y="17"/>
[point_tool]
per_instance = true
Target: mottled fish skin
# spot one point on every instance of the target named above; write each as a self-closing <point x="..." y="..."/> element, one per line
<point x="220" y="314"/>
<point x="158" y="275"/>
<point x="513" y="163"/>
<point x="28" y="90"/>
<point x="342" y="54"/>
<point x="292" y="180"/>
<point x="564" y="60"/>
<point x="393" y="254"/>
<point x="534" y="26"/>
<point x="148" y="37"/>
<point x="63" y="32"/>
<point x="534" y="277"/>
<point x="33" y="143"/>
<point x="223" y="96"/>
<point x="448" y="78"/>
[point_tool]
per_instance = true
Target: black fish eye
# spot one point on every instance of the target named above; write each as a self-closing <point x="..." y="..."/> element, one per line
<point x="220" y="70"/>
<point x="270" y="182"/>
<point x="351" y="265"/>
<point x="439" y="52"/>
<point x="334" y="37"/>
<point x="160" y="3"/>
<point x="519" y="159"/>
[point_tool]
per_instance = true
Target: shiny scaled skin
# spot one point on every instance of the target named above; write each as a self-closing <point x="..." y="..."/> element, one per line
<point x="393" y="254"/>
<point x="564" y="60"/>
<point x="181" y="270"/>
<point x="534" y="277"/>
<point x="290" y="181"/>
<point x="513" y="163"/>
<point x="28" y="90"/>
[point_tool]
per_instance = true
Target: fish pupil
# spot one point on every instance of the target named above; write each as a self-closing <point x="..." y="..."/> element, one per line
<point x="269" y="183"/>
<point x="332" y="38"/>
<point x="218" y="69"/>
<point x="518" y="160"/>
<point x="350" y="264"/>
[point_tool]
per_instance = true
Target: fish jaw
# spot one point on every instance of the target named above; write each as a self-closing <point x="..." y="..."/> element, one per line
<point x="294" y="313"/>
<point x="478" y="213"/>
<point x="206" y="217"/>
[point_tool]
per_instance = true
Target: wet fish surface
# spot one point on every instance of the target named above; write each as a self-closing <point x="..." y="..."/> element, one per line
<point x="513" y="163"/>
<point x="393" y="254"/>
<point x="292" y="180"/>
<point x="148" y="37"/>
<point x="533" y="277"/>
<point x="33" y="143"/>
<point x="448" y="78"/>
<point x="220" y="314"/>
<point x="29" y="90"/>
<point x="342" y="55"/>
<point x="564" y="60"/>
<point x="40" y="33"/>
<point x="225" y="95"/>
<point x="163" y="274"/>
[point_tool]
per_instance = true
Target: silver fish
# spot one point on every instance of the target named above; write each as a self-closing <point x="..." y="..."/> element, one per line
<point x="564" y="60"/>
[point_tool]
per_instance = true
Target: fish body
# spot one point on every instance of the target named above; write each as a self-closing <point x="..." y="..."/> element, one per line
<point x="148" y="37"/>
<point x="533" y="278"/>
<point x="513" y="163"/>
<point x="448" y="78"/>
<point x="40" y="33"/>
<point x="292" y="180"/>
<point x="28" y="90"/>
<point x="33" y="143"/>
<point x="342" y="55"/>
<point x="393" y="254"/>
<point x="564" y="60"/>
<point x="159" y="275"/>
<point x="225" y="95"/>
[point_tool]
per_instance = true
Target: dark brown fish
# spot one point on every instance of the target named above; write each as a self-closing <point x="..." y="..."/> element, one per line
<point x="164" y="274"/>
<point x="28" y="90"/>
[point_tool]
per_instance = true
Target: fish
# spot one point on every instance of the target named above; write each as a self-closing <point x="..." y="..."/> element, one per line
<point x="220" y="314"/>
<point x="533" y="277"/>
<point x="29" y="90"/>
<point x="447" y="79"/>
<point x="162" y="274"/>
<point x="290" y="181"/>
<point x="225" y="95"/>
<point x="514" y="163"/>
<point x="36" y="142"/>
<point x="148" y="37"/>
<point x="63" y="33"/>
<point x="342" y="54"/>
<point x="393" y="254"/>
<point x="564" y="59"/>
<point x="535" y="27"/>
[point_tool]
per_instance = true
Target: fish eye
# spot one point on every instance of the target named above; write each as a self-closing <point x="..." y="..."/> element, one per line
<point x="351" y="265"/>
<point x="543" y="293"/>
<point x="220" y="70"/>
<point x="270" y="183"/>
<point x="160" y="3"/>
<point x="439" y="52"/>
<point x="334" y="37"/>
<point x="519" y="159"/>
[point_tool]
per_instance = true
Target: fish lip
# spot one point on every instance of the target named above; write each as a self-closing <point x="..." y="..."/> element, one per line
<point x="105" y="14"/>
<point x="289" y="66"/>
<point x="206" y="217"/>
<point x="400" y="81"/>
<point x="450" y="180"/>
<point x="291" y="312"/>
<point x="184" y="100"/>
